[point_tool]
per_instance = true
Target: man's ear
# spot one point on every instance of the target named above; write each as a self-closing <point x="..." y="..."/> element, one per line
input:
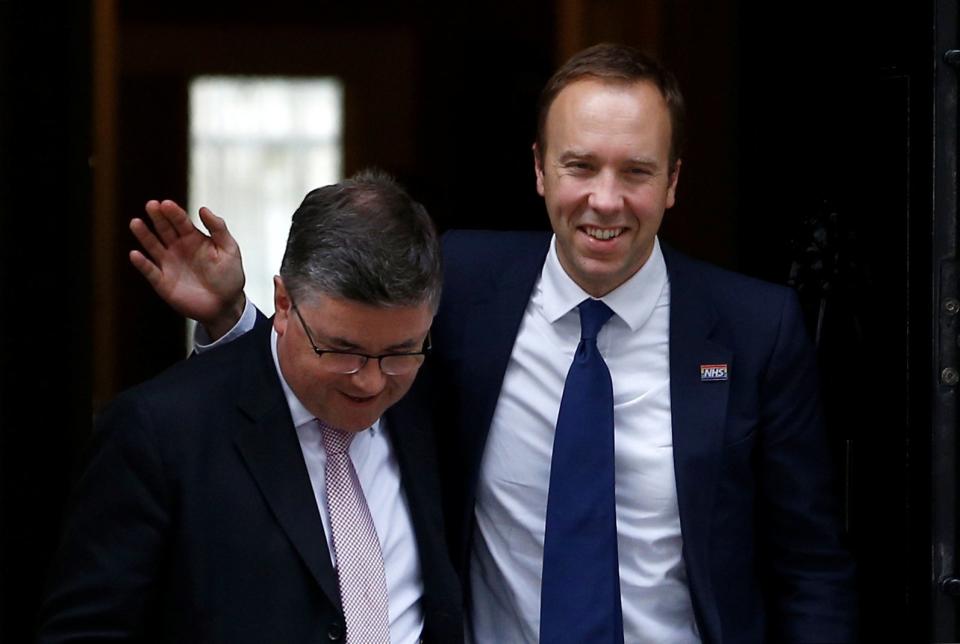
<point x="281" y="305"/>
<point x="672" y="185"/>
<point x="538" y="168"/>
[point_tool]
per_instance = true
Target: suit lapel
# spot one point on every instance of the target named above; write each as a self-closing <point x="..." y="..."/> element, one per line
<point x="698" y="409"/>
<point x="269" y="446"/>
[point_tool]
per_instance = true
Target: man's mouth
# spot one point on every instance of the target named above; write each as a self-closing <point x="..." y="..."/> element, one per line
<point x="602" y="234"/>
<point x="360" y="400"/>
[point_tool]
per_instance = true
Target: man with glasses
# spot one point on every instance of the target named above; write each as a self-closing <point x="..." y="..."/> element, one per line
<point x="271" y="490"/>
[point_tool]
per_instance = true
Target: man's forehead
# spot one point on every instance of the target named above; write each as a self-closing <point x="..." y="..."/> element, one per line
<point x="320" y="300"/>
<point x="607" y="109"/>
<point x="357" y="324"/>
<point x="588" y="86"/>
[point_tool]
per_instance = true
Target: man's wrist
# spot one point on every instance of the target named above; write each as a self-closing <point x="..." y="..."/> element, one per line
<point x="227" y="319"/>
<point x="203" y="341"/>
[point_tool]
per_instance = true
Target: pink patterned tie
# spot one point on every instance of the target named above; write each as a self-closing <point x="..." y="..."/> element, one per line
<point x="363" y="584"/>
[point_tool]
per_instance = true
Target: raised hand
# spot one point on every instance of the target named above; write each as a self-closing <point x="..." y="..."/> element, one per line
<point x="200" y="276"/>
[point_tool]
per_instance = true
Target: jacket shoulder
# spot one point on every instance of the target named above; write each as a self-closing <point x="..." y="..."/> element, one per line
<point x="734" y="295"/>
<point x="473" y="258"/>
<point x="487" y="249"/>
<point x="191" y="393"/>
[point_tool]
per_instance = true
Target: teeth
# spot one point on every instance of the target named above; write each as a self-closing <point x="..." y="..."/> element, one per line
<point x="603" y="233"/>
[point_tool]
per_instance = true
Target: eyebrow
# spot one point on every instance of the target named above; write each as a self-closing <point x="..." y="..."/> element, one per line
<point x="578" y="155"/>
<point x="346" y="345"/>
<point x="642" y="161"/>
<point x="407" y="345"/>
<point x="571" y="155"/>
<point x="340" y="343"/>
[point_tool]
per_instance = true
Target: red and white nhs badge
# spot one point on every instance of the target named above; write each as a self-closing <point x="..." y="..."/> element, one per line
<point x="713" y="372"/>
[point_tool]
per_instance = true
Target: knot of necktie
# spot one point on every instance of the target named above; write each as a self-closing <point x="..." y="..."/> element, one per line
<point x="335" y="441"/>
<point x="593" y="315"/>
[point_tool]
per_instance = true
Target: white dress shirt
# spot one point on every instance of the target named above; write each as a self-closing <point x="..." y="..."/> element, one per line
<point x="379" y="476"/>
<point x="507" y="557"/>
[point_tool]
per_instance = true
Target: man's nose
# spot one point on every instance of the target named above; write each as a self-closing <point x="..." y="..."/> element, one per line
<point x="370" y="380"/>
<point x="606" y="197"/>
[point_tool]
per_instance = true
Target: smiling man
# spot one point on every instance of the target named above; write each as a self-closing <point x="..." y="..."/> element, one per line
<point x="633" y="444"/>
<point x="270" y="491"/>
<point x="642" y="457"/>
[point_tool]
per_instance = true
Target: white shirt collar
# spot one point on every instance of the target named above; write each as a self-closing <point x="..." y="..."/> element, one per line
<point x="300" y="414"/>
<point x="633" y="301"/>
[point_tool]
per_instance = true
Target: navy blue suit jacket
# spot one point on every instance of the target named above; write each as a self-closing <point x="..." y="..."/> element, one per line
<point x="758" y="508"/>
<point x="195" y="520"/>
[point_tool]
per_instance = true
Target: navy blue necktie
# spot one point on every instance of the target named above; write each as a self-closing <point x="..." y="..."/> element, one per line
<point x="580" y="589"/>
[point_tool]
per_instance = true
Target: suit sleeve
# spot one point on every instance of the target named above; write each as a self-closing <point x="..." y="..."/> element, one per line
<point x="809" y="573"/>
<point x="105" y="573"/>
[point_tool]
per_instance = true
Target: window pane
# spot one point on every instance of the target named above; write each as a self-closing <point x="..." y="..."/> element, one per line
<point x="257" y="146"/>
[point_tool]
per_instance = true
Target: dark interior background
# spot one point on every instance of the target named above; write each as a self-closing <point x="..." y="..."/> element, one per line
<point x="811" y="160"/>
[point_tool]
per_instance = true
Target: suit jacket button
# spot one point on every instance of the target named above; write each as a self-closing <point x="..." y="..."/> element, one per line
<point x="335" y="632"/>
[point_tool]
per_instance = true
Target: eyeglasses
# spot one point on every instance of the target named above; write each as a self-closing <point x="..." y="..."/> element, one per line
<point x="350" y="362"/>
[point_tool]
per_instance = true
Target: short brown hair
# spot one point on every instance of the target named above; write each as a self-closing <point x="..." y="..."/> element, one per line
<point x="363" y="239"/>
<point x="619" y="64"/>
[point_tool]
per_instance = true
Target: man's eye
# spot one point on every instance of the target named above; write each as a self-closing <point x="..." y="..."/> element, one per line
<point x="579" y="166"/>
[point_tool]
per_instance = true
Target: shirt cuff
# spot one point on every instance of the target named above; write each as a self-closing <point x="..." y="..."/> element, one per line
<point x="202" y="341"/>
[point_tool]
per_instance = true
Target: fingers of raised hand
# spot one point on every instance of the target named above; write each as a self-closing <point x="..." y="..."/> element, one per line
<point x="218" y="230"/>
<point x="177" y="217"/>
<point x="158" y="216"/>
<point x="147" y="239"/>
<point x="147" y="268"/>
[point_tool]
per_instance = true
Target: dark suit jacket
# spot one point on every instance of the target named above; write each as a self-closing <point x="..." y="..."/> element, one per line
<point x="195" y="520"/>
<point x="758" y="509"/>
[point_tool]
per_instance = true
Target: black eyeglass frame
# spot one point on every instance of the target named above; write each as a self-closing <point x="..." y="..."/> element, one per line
<point x="365" y="356"/>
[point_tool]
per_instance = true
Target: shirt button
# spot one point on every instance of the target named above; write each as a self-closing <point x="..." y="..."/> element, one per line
<point x="335" y="631"/>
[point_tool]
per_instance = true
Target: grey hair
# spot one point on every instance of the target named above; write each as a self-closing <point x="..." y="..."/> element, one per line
<point x="363" y="239"/>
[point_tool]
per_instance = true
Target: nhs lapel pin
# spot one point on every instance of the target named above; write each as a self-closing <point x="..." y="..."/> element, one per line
<point x="713" y="372"/>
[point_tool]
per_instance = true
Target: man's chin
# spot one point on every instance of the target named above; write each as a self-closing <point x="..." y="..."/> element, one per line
<point x="599" y="276"/>
<point x="352" y="426"/>
<point x="347" y="420"/>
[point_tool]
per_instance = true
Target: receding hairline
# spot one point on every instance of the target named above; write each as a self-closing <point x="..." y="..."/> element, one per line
<point x="624" y="83"/>
<point x="615" y="63"/>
